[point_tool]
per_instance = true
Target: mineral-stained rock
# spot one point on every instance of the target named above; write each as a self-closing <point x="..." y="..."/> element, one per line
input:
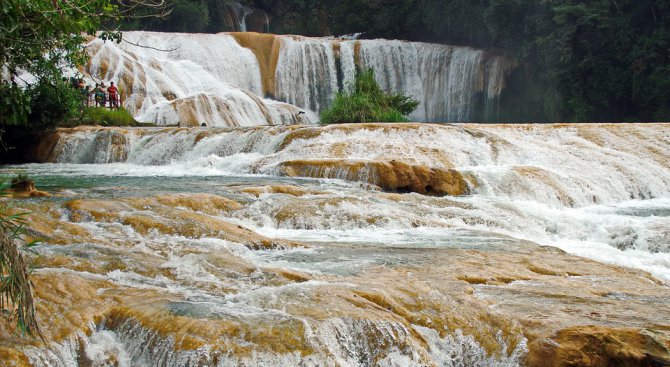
<point x="564" y="310"/>
<point x="598" y="346"/>
<point x="389" y="175"/>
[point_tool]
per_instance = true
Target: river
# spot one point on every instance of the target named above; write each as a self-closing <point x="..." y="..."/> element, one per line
<point x="312" y="246"/>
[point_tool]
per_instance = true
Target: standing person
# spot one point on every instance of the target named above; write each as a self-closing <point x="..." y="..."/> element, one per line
<point x="113" y="96"/>
<point x="99" y="94"/>
<point x="83" y="92"/>
<point x="104" y="90"/>
<point x="89" y="96"/>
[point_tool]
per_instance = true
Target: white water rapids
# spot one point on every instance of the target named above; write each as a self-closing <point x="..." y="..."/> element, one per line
<point x="597" y="191"/>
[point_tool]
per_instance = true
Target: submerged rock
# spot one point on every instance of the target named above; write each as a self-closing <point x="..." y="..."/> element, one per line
<point x="25" y="189"/>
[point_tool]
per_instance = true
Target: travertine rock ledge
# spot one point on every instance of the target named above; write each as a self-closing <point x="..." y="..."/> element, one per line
<point x="569" y="311"/>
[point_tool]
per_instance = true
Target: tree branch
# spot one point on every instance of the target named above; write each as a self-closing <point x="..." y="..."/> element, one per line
<point x="150" y="47"/>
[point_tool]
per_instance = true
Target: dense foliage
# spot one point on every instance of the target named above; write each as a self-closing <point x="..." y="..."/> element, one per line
<point x="581" y="61"/>
<point x="40" y="37"/>
<point x="368" y="103"/>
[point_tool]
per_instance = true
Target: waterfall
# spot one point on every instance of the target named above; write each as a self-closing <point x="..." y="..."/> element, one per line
<point x="188" y="79"/>
<point x="306" y="74"/>
<point x="241" y="13"/>
<point x="452" y="84"/>
<point x="449" y="82"/>
<point x="224" y="79"/>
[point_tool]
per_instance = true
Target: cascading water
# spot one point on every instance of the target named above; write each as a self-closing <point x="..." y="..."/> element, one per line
<point x="444" y="79"/>
<point x="188" y="79"/>
<point x="195" y="78"/>
<point x="239" y="14"/>
<point x="526" y="163"/>
<point x="306" y="74"/>
<point x="451" y="83"/>
<point x="289" y="245"/>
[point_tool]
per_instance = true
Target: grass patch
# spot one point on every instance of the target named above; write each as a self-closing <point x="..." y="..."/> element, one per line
<point x="103" y="117"/>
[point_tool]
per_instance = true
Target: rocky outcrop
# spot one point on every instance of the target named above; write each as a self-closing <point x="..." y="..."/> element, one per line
<point x="391" y="175"/>
<point x="597" y="346"/>
<point x="43" y="151"/>
<point x="25" y="189"/>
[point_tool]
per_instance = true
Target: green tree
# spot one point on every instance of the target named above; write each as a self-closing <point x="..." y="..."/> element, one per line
<point x="188" y="16"/>
<point x="41" y="37"/>
<point x="615" y="57"/>
<point x="368" y="103"/>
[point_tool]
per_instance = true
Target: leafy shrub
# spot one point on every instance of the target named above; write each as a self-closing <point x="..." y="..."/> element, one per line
<point x="368" y="103"/>
<point x="51" y="102"/>
<point x="38" y="107"/>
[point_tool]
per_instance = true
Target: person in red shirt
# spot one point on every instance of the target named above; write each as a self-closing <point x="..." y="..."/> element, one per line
<point x="113" y="96"/>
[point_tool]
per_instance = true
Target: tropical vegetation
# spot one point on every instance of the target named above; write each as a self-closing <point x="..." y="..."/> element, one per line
<point x="16" y="289"/>
<point x="368" y="103"/>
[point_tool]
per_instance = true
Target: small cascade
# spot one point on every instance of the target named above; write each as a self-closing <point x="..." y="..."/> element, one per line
<point x="520" y="162"/>
<point x="155" y="146"/>
<point x="239" y="13"/>
<point x="100" y="146"/>
<point x="335" y="341"/>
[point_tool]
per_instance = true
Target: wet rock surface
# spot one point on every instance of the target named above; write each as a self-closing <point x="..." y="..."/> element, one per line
<point x="539" y="304"/>
<point x="203" y="249"/>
